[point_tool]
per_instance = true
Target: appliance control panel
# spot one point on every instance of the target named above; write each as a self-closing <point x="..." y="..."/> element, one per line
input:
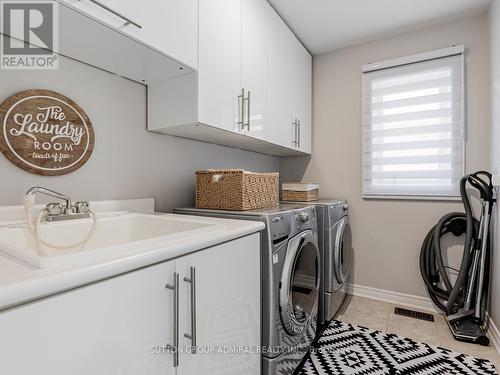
<point x="338" y="211"/>
<point x="305" y="219"/>
<point x="284" y="224"/>
<point x="279" y="226"/>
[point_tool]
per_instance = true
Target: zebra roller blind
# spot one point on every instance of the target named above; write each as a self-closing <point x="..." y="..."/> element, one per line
<point x="413" y="129"/>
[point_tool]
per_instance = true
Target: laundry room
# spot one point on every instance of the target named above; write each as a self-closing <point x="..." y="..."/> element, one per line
<point x="344" y="153"/>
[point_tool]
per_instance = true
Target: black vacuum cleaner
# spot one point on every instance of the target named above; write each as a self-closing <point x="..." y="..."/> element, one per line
<point x="464" y="301"/>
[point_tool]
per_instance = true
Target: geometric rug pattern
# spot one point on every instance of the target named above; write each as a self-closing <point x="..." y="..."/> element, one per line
<point x="344" y="349"/>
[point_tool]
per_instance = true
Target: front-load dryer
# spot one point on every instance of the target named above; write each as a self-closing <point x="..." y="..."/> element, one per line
<point x="291" y="277"/>
<point x="335" y="244"/>
<point x="337" y="255"/>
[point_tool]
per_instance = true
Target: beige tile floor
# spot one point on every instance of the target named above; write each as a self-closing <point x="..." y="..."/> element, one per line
<point x="380" y="316"/>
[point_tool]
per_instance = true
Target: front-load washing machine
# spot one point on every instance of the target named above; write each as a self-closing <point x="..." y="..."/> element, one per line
<point x="335" y="244"/>
<point x="291" y="272"/>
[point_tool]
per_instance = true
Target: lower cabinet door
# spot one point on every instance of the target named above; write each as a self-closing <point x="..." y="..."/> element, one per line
<point x="225" y="321"/>
<point x="118" y="326"/>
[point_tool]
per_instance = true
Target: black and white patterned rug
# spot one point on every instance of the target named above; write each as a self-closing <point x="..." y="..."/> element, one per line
<point x="344" y="349"/>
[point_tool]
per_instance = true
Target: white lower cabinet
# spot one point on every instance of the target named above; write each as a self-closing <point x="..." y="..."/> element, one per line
<point x="227" y="316"/>
<point x="123" y="325"/>
<point x="101" y="329"/>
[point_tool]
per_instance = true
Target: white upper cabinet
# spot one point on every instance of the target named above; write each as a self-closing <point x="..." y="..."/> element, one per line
<point x="96" y="11"/>
<point x="290" y="89"/>
<point x="283" y="88"/>
<point x="170" y="26"/>
<point x="252" y="87"/>
<point x="227" y="71"/>
<point x="219" y="69"/>
<point x="304" y="100"/>
<point x="255" y="69"/>
<point x="147" y="41"/>
<point x="167" y="25"/>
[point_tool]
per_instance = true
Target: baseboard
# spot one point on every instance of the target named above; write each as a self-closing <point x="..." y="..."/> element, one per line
<point x="395" y="298"/>
<point x="415" y="302"/>
<point x="493" y="333"/>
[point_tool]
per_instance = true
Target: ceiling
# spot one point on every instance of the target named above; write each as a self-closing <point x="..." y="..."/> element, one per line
<point x="325" y="25"/>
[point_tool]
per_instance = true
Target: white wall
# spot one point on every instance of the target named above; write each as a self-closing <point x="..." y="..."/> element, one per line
<point x="387" y="235"/>
<point x="494" y="15"/>
<point x="127" y="161"/>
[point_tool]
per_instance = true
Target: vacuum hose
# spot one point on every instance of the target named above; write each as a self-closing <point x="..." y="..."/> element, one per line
<point x="450" y="296"/>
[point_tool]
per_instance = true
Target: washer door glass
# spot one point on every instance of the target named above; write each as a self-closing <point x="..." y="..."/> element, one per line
<point x="343" y="250"/>
<point x="300" y="283"/>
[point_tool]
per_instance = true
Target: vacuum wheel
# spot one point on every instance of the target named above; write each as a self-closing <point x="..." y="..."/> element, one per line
<point x="483" y="340"/>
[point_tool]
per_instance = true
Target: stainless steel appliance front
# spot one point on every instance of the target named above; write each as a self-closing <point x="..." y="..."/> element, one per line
<point x="291" y="277"/>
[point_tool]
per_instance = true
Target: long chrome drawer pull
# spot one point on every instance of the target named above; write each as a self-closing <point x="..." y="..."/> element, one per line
<point x="175" y="289"/>
<point x="192" y="280"/>
<point x="127" y="20"/>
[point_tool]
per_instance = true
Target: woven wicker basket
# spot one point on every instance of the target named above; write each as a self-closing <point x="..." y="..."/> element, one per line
<point x="236" y="189"/>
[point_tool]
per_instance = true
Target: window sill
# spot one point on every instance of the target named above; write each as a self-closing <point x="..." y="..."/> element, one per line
<point x="412" y="198"/>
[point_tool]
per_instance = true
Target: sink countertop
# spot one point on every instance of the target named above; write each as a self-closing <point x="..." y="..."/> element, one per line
<point x="20" y="283"/>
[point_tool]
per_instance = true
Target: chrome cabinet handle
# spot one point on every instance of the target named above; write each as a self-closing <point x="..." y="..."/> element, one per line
<point x="241" y="110"/>
<point x="192" y="280"/>
<point x="127" y="20"/>
<point x="294" y="141"/>
<point x="298" y="133"/>
<point x="247" y="99"/>
<point x="175" y="345"/>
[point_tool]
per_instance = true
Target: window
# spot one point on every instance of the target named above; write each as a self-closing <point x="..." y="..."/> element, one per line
<point x="413" y="126"/>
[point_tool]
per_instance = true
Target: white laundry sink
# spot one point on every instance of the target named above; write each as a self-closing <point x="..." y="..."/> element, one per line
<point x="114" y="234"/>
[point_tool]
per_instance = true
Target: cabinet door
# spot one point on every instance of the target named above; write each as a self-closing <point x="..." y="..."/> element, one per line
<point x="95" y="11"/>
<point x="303" y="99"/>
<point x="171" y="26"/>
<point x="219" y="64"/>
<point x="256" y="44"/>
<point x="308" y="103"/>
<point x="227" y="301"/>
<point x="283" y="87"/>
<point x="111" y="327"/>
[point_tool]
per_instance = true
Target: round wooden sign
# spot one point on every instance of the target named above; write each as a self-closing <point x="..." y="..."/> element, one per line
<point x="45" y="133"/>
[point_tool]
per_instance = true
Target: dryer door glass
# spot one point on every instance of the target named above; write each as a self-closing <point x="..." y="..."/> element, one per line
<point x="343" y="250"/>
<point x="300" y="287"/>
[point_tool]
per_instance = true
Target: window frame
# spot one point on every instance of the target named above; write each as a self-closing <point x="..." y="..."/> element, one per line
<point x="456" y="50"/>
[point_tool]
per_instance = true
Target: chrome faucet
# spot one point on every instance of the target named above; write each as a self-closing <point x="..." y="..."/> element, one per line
<point x="58" y="211"/>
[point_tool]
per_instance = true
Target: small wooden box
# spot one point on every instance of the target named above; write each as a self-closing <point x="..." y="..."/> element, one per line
<point x="300" y="192"/>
